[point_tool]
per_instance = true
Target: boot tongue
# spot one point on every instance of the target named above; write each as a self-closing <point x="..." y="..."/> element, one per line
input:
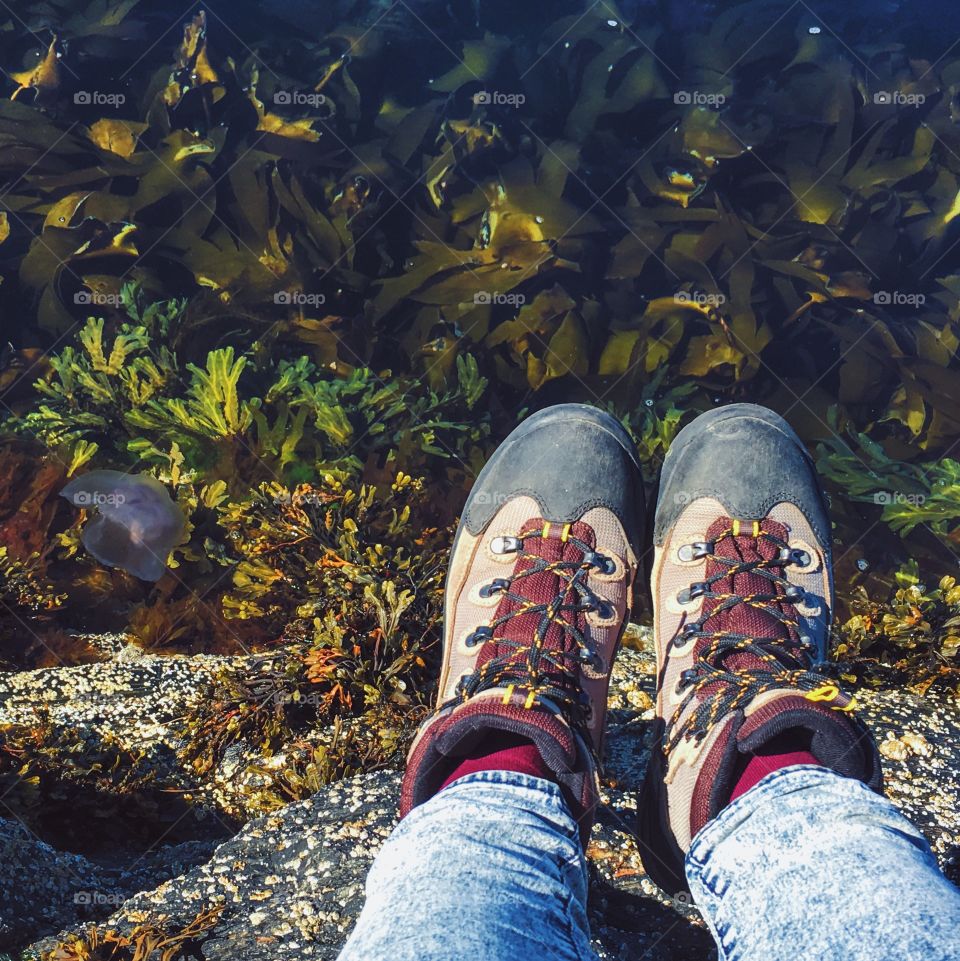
<point x="741" y="618"/>
<point x="548" y="542"/>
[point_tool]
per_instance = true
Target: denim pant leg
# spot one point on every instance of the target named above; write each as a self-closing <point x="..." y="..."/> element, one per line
<point x="490" y="868"/>
<point x="809" y="864"/>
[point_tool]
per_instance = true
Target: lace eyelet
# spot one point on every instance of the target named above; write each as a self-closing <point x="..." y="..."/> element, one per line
<point x="691" y="593"/>
<point x="496" y="586"/>
<point x="480" y="636"/>
<point x="505" y="545"/>
<point x="591" y="659"/>
<point x="601" y="613"/>
<point x="695" y="551"/>
<point x="811" y="559"/>
<point x="686" y="635"/>
<point x="605" y="565"/>
<point x="795" y="556"/>
<point x="604" y="609"/>
<point x="794" y="593"/>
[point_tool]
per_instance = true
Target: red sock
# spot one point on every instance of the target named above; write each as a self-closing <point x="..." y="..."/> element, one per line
<point x="781" y="751"/>
<point x="502" y="751"/>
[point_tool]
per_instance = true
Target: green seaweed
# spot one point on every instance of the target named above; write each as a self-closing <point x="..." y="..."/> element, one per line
<point x="914" y="635"/>
<point x="312" y="322"/>
<point x="922" y="493"/>
<point x="134" y="398"/>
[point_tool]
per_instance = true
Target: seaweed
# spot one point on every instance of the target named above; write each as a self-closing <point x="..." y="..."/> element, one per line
<point x="910" y="495"/>
<point x="123" y="396"/>
<point x="913" y="636"/>
<point x="363" y="574"/>
<point x="306" y="281"/>
<point x="84" y="791"/>
<point x="151" y="939"/>
<point x="133" y="398"/>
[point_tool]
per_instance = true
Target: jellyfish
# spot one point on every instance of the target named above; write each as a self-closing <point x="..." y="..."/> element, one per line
<point x="135" y="523"/>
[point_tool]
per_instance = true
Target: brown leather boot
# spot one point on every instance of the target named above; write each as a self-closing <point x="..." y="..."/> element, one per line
<point x="743" y="593"/>
<point x="537" y="595"/>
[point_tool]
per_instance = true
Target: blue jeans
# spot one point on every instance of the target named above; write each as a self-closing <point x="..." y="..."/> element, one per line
<point x="807" y="864"/>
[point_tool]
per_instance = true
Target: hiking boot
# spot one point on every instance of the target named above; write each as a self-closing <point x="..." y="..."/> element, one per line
<point x="537" y="596"/>
<point x="743" y="594"/>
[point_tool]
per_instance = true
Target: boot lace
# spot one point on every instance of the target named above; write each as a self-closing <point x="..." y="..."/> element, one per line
<point x="775" y="662"/>
<point x="551" y="672"/>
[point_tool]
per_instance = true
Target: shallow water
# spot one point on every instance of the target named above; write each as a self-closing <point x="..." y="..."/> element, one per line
<point x="653" y="207"/>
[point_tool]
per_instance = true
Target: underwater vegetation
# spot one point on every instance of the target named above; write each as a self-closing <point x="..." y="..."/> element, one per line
<point x="230" y="512"/>
<point x="273" y="294"/>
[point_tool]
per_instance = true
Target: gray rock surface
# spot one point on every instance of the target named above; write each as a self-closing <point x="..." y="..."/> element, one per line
<point x="43" y="890"/>
<point x="291" y="884"/>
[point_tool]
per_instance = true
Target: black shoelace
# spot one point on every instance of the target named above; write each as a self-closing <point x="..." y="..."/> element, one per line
<point x="550" y="673"/>
<point x="784" y="662"/>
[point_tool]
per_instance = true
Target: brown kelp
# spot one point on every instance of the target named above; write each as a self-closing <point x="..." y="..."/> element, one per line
<point x="150" y="940"/>
<point x="305" y="280"/>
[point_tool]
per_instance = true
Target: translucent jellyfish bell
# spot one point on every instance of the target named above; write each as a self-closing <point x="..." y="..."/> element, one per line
<point x="135" y="524"/>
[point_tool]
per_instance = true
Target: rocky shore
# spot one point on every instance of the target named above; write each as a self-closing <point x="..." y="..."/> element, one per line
<point x="289" y="884"/>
